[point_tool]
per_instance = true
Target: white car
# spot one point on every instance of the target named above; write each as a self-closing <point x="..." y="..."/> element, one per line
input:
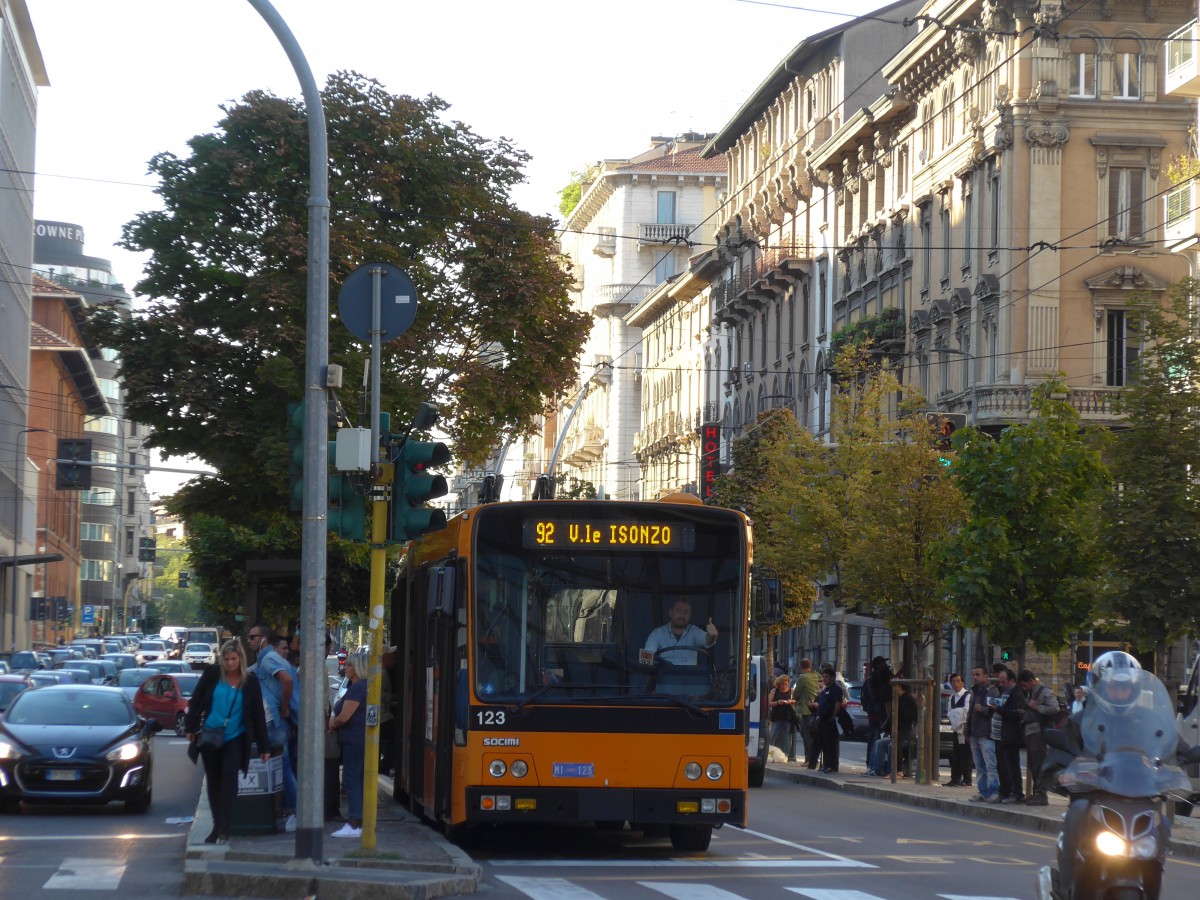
<point x="149" y="651"/>
<point x="199" y="655"/>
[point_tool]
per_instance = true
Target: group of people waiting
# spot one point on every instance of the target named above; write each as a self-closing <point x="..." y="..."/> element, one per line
<point x="813" y="708"/>
<point x="242" y="709"/>
<point x="999" y="714"/>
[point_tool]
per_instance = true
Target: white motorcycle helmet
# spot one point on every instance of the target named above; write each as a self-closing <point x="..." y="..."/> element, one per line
<point x="1111" y="678"/>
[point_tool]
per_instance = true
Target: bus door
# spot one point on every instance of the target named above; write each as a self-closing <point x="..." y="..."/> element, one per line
<point x="441" y="681"/>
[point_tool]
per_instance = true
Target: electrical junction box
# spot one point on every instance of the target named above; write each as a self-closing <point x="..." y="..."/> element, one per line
<point x="353" y="451"/>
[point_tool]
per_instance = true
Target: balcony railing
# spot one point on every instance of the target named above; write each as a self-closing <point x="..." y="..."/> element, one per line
<point x="994" y="404"/>
<point x="631" y="294"/>
<point x="1183" y="67"/>
<point x="658" y="233"/>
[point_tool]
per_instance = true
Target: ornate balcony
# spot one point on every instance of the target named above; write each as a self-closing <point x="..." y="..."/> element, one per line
<point x="656" y="234"/>
<point x="996" y="405"/>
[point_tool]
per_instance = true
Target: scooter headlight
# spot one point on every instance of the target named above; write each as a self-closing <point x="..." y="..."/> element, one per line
<point x="1110" y="844"/>
<point x="1145" y="847"/>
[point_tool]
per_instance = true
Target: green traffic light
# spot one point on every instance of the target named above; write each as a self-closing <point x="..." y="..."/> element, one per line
<point x="414" y="486"/>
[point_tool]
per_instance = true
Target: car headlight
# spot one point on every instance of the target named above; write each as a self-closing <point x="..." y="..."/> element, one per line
<point x="497" y="768"/>
<point x="8" y="750"/>
<point x="132" y="750"/>
<point x="715" y="772"/>
<point x="692" y="771"/>
<point x="519" y="768"/>
<point x="1110" y="844"/>
<point x="1145" y="847"/>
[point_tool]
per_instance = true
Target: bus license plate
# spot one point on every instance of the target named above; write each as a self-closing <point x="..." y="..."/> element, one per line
<point x="574" y="770"/>
<point x="64" y="775"/>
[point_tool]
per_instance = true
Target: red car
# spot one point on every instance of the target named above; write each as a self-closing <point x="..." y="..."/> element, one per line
<point x="164" y="699"/>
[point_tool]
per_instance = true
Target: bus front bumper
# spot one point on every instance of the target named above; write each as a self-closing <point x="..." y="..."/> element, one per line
<point x="640" y="806"/>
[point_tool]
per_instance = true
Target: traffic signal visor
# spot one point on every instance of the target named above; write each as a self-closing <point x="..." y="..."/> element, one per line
<point x="415" y="484"/>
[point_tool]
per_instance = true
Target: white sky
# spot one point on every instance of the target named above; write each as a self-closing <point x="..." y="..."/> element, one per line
<point x="568" y="82"/>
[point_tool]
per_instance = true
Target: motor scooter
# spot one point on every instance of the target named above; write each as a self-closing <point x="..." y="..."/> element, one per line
<point x="1119" y="763"/>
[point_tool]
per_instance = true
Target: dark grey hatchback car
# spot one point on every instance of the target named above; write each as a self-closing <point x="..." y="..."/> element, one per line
<point x="75" y="744"/>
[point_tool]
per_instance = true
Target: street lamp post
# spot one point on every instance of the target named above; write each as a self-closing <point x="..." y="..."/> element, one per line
<point x="16" y="554"/>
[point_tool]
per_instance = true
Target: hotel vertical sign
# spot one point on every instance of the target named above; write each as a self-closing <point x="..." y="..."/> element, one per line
<point x="710" y="457"/>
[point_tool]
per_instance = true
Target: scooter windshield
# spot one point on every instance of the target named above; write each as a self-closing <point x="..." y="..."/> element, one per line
<point x="1129" y="740"/>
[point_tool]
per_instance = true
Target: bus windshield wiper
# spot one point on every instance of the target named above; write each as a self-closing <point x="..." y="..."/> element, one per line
<point x="675" y="698"/>
<point x="544" y="689"/>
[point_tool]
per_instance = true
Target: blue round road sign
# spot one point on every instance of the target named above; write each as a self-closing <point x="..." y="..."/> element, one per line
<point x="397" y="302"/>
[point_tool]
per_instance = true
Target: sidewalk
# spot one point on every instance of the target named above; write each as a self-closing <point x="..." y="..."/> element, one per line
<point x="853" y="779"/>
<point x="411" y="860"/>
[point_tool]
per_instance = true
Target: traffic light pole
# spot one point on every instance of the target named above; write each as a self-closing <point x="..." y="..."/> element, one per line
<point x="379" y="518"/>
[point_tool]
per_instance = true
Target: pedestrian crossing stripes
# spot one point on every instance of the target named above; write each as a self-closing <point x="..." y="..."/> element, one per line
<point x="77" y="874"/>
<point x="562" y="889"/>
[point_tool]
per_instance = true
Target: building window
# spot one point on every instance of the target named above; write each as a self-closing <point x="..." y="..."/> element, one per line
<point x="96" y="570"/>
<point x="947" y="117"/>
<point x="1083" y="74"/>
<point x="129" y="542"/>
<point x="666" y="208"/>
<point x="1127" y="76"/>
<point x="95" y="531"/>
<point x="926" y="253"/>
<point x="103" y="424"/>
<point x="1126" y="195"/>
<point x="109" y="387"/>
<point x="99" y="496"/>
<point x="130" y="503"/>
<point x="994" y="210"/>
<point x="1118" y="352"/>
<point x="664" y="269"/>
<point x="947" y="234"/>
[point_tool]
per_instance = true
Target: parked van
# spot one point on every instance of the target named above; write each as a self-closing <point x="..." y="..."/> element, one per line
<point x="757" y="725"/>
<point x="1187" y="723"/>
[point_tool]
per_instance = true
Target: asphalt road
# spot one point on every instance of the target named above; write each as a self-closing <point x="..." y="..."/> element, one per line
<point x="802" y="841"/>
<point x="81" y="851"/>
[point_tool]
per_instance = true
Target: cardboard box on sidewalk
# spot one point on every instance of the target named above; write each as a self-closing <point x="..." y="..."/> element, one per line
<point x="262" y="777"/>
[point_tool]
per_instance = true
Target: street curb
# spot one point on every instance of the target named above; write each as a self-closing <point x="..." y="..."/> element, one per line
<point x="1049" y="822"/>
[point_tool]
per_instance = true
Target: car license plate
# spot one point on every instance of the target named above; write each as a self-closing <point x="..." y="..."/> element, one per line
<point x="64" y="775"/>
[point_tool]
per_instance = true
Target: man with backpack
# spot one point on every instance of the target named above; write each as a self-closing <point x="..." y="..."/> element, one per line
<point x="1042" y="711"/>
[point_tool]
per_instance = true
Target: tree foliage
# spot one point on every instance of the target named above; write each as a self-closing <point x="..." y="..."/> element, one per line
<point x="213" y="360"/>
<point x="1153" y="514"/>
<point x="1028" y="564"/>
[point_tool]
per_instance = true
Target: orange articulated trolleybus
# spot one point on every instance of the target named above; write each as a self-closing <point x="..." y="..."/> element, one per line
<point x="532" y="690"/>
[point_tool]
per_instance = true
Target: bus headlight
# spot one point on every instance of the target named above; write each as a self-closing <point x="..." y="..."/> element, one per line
<point x="497" y="768"/>
<point x="715" y="772"/>
<point x="519" y="768"/>
<point x="692" y="771"/>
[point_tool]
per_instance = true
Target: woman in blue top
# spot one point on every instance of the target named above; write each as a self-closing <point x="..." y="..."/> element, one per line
<point x="228" y="698"/>
<point x="349" y="721"/>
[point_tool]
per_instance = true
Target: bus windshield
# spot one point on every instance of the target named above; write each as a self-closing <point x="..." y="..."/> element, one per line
<point x="608" y="601"/>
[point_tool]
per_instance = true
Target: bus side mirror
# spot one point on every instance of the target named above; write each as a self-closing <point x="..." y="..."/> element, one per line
<point x="439" y="600"/>
<point x="772" y="600"/>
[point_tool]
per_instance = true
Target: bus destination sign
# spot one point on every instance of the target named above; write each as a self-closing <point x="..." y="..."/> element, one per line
<point x="581" y="534"/>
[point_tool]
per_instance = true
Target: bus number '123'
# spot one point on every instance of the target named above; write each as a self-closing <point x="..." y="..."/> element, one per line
<point x="486" y="717"/>
<point x="566" y="533"/>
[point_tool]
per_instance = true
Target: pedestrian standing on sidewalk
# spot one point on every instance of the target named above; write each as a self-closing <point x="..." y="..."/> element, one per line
<point x="281" y="693"/>
<point x="956" y="711"/>
<point x="784" y="722"/>
<point x="1043" y="710"/>
<point x="228" y="705"/>
<point x="808" y="685"/>
<point x="1009" y="722"/>
<point x="829" y="703"/>
<point x="349" y="720"/>
<point x="984" y="698"/>
<point x="876" y="702"/>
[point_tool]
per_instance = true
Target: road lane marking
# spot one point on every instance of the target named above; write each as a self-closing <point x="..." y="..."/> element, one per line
<point x="841" y="860"/>
<point x="689" y="890"/>
<point x="549" y="888"/>
<point x="77" y="874"/>
<point x="126" y="836"/>
<point x="971" y="897"/>
<point x="830" y="894"/>
<point x="689" y="863"/>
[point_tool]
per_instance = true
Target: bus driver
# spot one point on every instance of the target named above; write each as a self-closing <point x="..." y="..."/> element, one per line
<point x="676" y="636"/>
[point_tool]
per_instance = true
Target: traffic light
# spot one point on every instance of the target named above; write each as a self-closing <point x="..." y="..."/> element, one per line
<point x="184" y="577"/>
<point x="346" y="515"/>
<point x="414" y="485"/>
<point x="489" y="492"/>
<point x="1006" y="654"/>
<point x="73" y="469"/>
<point x="147" y="549"/>
<point x="295" y="438"/>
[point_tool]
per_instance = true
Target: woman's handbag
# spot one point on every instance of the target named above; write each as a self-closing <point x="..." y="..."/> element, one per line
<point x="210" y="738"/>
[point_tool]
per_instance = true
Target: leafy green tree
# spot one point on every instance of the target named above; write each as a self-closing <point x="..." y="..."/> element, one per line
<point x="1153" y="515"/>
<point x="569" y="196"/>
<point x="213" y="360"/>
<point x="1029" y="562"/>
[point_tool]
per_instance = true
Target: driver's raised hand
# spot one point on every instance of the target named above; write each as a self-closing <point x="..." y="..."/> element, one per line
<point x="711" y="630"/>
